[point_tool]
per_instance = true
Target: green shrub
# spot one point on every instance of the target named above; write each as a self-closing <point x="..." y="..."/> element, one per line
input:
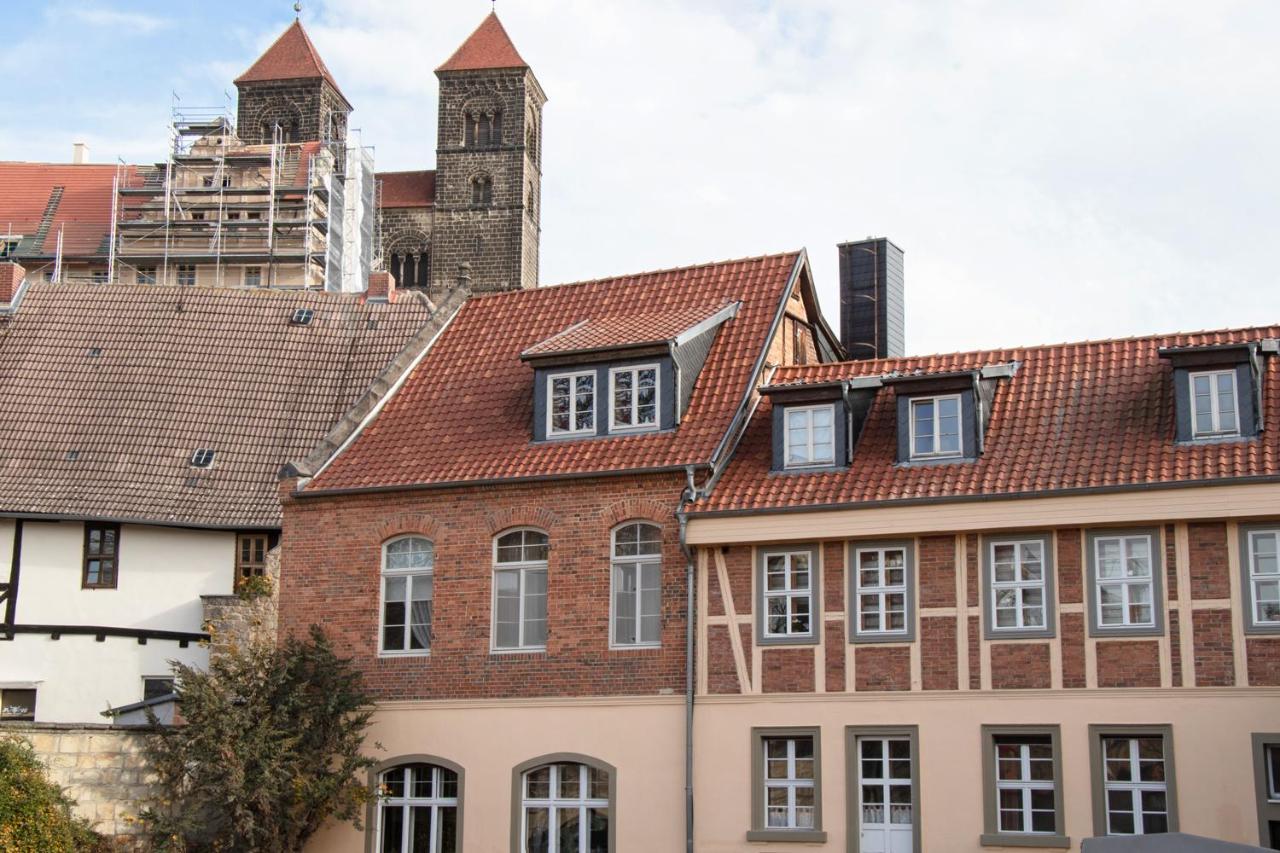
<point x="35" y="815"/>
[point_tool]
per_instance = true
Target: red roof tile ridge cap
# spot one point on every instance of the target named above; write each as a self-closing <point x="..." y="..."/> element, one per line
<point x="616" y="279"/>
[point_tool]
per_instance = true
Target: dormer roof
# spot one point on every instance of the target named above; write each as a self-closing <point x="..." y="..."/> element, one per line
<point x="629" y="331"/>
<point x="292" y="56"/>
<point x="488" y="47"/>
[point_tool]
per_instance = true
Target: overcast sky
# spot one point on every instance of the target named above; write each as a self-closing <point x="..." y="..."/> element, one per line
<point x="1054" y="171"/>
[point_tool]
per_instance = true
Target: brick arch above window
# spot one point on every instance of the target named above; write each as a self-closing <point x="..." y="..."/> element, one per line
<point x="636" y="509"/>
<point x="502" y="520"/>
<point x="407" y="524"/>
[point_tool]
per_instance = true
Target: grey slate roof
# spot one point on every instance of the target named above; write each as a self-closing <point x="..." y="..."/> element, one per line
<point x="106" y="391"/>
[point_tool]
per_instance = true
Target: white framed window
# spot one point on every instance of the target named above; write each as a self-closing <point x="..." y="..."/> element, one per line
<point x="637" y="585"/>
<point x="881" y="592"/>
<point x="418" y="810"/>
<point x="253" y="276"/>
<point x="935" y="427"/>
<point x="788" y="594"/>
<point x="1135" y="785"/>
<point x="1024" y="780"/>
<point x="187" y="275"/>
<point x="408" y="565"/>
<point x="809" y="435"/>
<point x="520" y="590"/>
<point x="1018" y="585"/>
<point x="1264" y="576"/>
<point x="633" y="394"/>
<point x="571" y="403"/>
<point x="1124" y="582"/>
<point x="565" y="809"/>
<point x="1214" y="411"/>
<point x="145" y="275"/>
<point x="789" y="783"/>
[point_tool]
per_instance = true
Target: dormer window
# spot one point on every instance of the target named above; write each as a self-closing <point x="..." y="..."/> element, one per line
<point x="572" y="398"/>
<point x="1215" y="411"/>
<point x="633" y="398"/>
<point x="936" y="427"/>
<point x="810" y="436"/>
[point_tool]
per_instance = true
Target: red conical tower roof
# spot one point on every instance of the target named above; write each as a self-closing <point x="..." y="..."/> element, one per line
<point x="290" y="57"/>
<point x="488" y="47"/>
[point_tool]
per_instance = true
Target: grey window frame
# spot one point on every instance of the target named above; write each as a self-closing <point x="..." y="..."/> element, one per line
<point x="517" y="792"/>
<point x="1097" y="787"/>
<point x="372" y="820"/>
<point x="1251" y="625"/>
<point x="1158" y="604"/>
<point x="1215" y="414"/>
<point x="815" y="597"/>
<point x="759" y="831"/>
<point x="811" y="462"/>
<point x="856" y="635"/>
<point x="853" y="813"/>
<point x="1268" y="807"/>
<point x="991" y="834"/>
<point x="1049" y="577"/>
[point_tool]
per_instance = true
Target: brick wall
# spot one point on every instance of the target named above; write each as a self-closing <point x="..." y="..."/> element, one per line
<point x="1208" y="564"/>
<point x="1017" y="666"/>
<point x="787" y="670"/>
<point x="882" y="668"/>
<point x="1215" y="664"/>
<point x="1129" y="663"/>
<point x="938" y="653"/>
<point x="937" y="568"/>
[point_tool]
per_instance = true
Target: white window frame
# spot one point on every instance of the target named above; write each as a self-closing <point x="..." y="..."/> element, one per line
<point x="183" y="270"/>
<point x="1025" y="784"/>
<point x="937" y="421"/>
<point x="1256" y="577"/>
<point x="1125" y="582"/>
<point x="614" y="424"/>
<point x="1018" y="586"/>
<point x="639" y="562"/>
<point x="407" y="803"/>
<point x="1135" y="785"/>
<point x="789" y="593"/>
<point x="554" y="804"/>
<point x="522" y="569"/>
<point x="413" y="576"/>
<point x="791" y="783"/>
<point x="882" y="591"/>
<point x="1215" y="412"/>
<point x="245" y="276"/>
<point x="573" y="377"/>
<point x="810" y="460"/>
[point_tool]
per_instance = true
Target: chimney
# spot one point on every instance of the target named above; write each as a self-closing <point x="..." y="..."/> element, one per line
<point x="11" y="278"/>
<point x="382" y="287"/>
<point x="872" y="314"/>
<point x="80" y="153"/>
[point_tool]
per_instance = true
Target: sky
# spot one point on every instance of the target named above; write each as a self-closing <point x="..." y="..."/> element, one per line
<point x="1053" y="171"/>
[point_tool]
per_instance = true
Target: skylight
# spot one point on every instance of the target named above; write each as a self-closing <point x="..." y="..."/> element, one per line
<point x="302" y="317"/>
<point x="202" y="458"/>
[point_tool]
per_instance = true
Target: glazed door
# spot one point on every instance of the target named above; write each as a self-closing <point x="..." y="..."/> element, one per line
<point x="884" y="798"/>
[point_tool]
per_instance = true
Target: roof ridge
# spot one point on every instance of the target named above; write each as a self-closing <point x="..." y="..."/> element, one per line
<point x="618" y="278"/>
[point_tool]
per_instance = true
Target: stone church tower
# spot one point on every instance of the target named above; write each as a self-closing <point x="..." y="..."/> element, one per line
<point x="488" y="166"/>
<point x="290" y="86"/>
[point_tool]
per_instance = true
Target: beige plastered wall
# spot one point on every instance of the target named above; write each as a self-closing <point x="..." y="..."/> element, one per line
<point x="642" y="737"/>
<point x="1212" y="756"/>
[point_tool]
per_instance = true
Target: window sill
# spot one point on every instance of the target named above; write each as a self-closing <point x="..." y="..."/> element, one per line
<point x="1060" y="842"/>
<point x="1252" y="629"/>
<point x="634" y="647"/>
<point x="995" y="635"/>
<point x="1120" y="633"/>
<point x="413" y="654"/>
<point x="905" y="637"/>
<point x="531" y="650"/>
<point x="809" y="836"/>
<point x="925" y="461"/>
<point x="792" y="640"/>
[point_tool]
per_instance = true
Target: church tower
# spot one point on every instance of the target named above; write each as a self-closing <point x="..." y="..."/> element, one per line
<point x="290" y="86"/>
<point x="488" y="166"/>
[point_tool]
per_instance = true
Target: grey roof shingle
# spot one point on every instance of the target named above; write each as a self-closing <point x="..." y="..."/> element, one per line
<point x="105" y="392"/>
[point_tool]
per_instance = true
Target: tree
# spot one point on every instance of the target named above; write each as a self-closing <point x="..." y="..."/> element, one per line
<point x="35" y="815"/>
<point x="269" y="750"/>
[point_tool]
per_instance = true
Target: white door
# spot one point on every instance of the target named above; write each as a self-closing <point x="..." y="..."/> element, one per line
<point x="884" y="794"/>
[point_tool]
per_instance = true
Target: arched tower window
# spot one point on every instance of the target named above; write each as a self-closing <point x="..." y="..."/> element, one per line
<point x="482" y="190"/>
<point x="482" y="128"/>
<point x="531" y="140"/>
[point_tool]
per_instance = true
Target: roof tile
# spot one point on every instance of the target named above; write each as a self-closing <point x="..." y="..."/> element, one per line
<point x="488" y="47"/>
<point x="292" y="56"/>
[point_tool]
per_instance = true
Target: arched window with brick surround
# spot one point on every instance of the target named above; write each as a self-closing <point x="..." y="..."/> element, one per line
<point x="408" y="569"/>
<point x="636" y="584"/>
<point x="520" y="590"/>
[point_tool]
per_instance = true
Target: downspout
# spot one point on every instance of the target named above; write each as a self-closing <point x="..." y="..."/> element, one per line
<point x="690" y="494"/>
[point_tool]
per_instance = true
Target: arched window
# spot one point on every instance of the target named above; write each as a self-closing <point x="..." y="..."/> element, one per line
<point x="520" y="590"/>
<point x="418" y="810"/>
<point x="408" y="564"/>
<point x="637" y="584"/>
<point x="531" y="141"/>
<point x="482" y="190"/>
<point x="482" y="128"/>
<point x="565" y="808"/>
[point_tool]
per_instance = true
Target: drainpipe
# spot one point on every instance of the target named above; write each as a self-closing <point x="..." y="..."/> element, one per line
<point x="690" y="493"/>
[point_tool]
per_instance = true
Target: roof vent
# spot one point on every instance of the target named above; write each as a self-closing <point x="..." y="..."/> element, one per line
<point x="302" y="317"/>
<point x="202" y="458"/>
<point x="95" y="352"/>
<point x="73" y="455"/>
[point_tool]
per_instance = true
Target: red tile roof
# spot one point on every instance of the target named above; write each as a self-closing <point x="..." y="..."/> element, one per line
<point x="465" y="413"/>
<point x="408" y="189"/>
<point x="83" y="213"/>
<point x="488" y="47"/>
<point x="105" y="392"/>
<point x="1090" y="415"/>
<point x="601" y="333"/>
<point x="291" y="57"/>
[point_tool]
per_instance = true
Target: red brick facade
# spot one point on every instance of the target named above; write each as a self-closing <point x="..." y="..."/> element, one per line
<point x="1208" y="565"/>
<point x="938" y="660"/>
<point x="1215" y="664"/>
<point x="882" y="668"/>
<point x="787" y="670"/>
<point x="1020" y="666"/>
<point x="1129" y="663"/>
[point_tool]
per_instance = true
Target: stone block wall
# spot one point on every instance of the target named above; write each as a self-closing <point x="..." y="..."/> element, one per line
<point x="235" y="622"/>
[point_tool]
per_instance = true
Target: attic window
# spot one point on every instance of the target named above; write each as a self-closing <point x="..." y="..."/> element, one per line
<point x="73" y="455"/>
<point x="202" y="458"/>
<point x="1214" y="409"/>
<point x="9" y="246"/>
<point x="95" y="352"/>
<point x="302" y="317"/>
<point x="935" y="427"/>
